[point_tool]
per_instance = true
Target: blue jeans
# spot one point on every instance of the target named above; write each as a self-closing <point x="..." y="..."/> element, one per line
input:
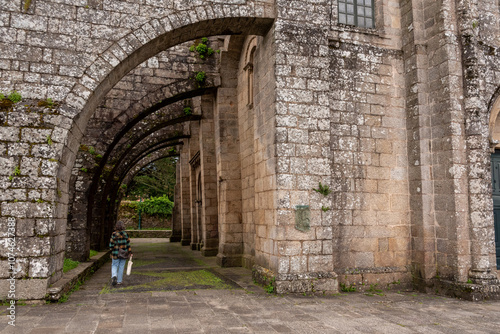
<point x="117" y="267"/>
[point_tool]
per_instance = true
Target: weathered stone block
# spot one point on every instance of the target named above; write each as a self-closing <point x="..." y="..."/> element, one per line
<point x="38" y="267"/>
<point x="9" y="133"/>
<point x="25" y="289"/>
<point x="25" y="227"/>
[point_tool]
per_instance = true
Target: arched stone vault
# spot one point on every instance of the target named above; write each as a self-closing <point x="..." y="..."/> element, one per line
<point x="108" y="187"/>
<point x="140" y="127"/>
<point x="116" y="138"/>
<point x="143" y="140"/>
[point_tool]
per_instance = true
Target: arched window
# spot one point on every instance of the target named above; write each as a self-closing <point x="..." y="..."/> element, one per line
<point x="250" y="54"/>
<point x="494" y="126"/>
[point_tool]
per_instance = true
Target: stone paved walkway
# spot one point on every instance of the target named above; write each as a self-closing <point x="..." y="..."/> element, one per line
<point x="228" y="308"/>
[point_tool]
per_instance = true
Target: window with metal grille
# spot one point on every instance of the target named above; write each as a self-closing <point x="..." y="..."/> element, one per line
<point x="357" y="13"/>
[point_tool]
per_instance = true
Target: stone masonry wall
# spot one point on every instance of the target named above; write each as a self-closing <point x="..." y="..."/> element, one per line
<point x="228" y="164"/>
<point x="369" y="210"/>
<point x="302" y="259"/>
<point x="264" y="153"/>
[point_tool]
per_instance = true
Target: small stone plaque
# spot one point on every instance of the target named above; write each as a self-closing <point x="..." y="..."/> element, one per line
<point x="302" y="218"/>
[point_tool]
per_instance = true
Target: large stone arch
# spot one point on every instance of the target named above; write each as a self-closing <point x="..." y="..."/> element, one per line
<point x="144" y="43"/>
<point x="113" y="179"/>
<point x="99" y="190"/>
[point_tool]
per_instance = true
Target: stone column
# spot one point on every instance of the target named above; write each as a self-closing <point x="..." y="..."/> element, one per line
<point x="185" y="192"/>
<point x="209" y="212"/>
<point x="419" y="154"/>
<point x="195" y="201"/>
<point x="300" y="257"/>
<point x="34" y="197"/>
<point x="176" y="214"/>
<point x="227" y="149"/>
<point x="481" y="229"/>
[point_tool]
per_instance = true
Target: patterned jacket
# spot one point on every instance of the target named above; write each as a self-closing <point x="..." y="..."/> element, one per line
<point x="119" y="239"/>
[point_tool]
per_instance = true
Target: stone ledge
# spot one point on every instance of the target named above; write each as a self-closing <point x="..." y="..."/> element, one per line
<point x="468" y="291"/>
<point x="149" y="233"/>
<point x="315" y="282"/>
<point x="72" y="277"/>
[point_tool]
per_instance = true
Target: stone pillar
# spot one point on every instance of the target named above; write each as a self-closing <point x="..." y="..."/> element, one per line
<point x="209" y="212"/>
<point x="195" y="201"/>
<point x="193" y="165"/>
<point x="301" y="256"/>
<point x="185" y="193"/>
<point x="176" y="214"/>
<point x="34" y="197"/>
<point x="419" y="154"/>
<point x="481" y="229"/>
<point x="452" y="222"/>
<point x="227" y="154"/>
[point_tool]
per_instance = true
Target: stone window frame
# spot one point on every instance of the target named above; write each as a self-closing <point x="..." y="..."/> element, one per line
<point x="380" y="7"/>
<point x="249" y="71"/>
<point x="358" y="14"/>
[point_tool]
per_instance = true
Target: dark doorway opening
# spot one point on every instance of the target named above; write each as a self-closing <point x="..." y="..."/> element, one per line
<point x="495" y="171"/>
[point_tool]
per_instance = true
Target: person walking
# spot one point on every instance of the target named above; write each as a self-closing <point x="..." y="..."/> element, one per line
<point x="119" y="244"/>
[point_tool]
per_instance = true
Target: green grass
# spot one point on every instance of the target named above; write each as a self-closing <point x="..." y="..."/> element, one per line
<point x="141" y="263"/>
<point x="105" y="290"/>
<point x="93" y="253"/>
<point x="180" y="279"/>
<point x="76" y="287"/>
<point x="69" y="264"/>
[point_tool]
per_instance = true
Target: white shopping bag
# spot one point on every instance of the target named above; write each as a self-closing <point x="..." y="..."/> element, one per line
<point x="129" y="266"/>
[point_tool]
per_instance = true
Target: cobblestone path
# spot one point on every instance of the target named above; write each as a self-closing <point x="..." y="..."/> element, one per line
<point x="174" y="290"/>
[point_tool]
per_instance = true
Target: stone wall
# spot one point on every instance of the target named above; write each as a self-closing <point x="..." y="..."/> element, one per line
<point x="369" y="209"/>
<point x="131" y="219"/>
<point x="246" y="123"/>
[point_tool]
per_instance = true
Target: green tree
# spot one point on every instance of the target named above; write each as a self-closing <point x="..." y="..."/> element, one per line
<point x="154" y="180"/>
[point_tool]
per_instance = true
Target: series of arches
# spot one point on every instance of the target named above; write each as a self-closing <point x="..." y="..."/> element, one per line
<point x="148" y="126"/>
